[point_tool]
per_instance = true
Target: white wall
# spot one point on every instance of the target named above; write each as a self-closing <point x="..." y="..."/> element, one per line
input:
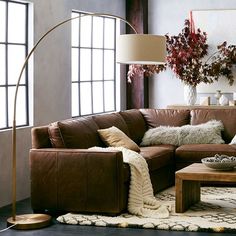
<point x="167" y="16"/>
<point x="51" y="83"/>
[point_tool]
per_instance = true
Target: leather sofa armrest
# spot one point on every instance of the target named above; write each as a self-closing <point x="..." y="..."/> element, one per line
<point x="77" y="180"/>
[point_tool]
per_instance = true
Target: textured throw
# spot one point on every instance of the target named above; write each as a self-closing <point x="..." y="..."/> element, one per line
<point x="142" y="201"/>
<point x="209" y="132"/>
<point x="215" y="213"/>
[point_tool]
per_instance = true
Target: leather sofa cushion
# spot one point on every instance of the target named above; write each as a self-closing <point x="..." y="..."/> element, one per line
<point x="227" y="116"/>
<point x="105" y="121"/>
<point x="167" y="117"/>
<point x="40" y="138"/>
<point x="158" y="156"/>
<point x="55" y="135"/>
<point x="191" y="153"/>
<point x="136" y="124"/>
<point x="74" y="133"/>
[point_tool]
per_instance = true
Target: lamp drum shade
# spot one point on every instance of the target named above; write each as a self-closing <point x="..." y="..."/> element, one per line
<point x="143" y="49"/>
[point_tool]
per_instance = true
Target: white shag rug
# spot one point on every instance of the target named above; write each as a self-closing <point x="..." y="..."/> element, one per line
<point x="215" y="213"/>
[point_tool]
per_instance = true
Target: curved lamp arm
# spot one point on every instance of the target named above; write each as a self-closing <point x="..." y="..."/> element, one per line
<point x="133" y="49"/>
<point x="16" y="93"/>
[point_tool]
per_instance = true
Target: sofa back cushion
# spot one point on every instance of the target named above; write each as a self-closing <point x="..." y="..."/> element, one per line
<point x="227" y="116"/>
<point x="105" y="121"/>
<point x="74" y="133"/>
<point x="136" y="124"/>
<point x="165" y="117"/>
<point x="40" y="138"/>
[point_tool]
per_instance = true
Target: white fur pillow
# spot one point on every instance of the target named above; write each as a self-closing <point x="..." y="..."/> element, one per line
<point x="209" y="132"/>
<point x="233" y="141"/>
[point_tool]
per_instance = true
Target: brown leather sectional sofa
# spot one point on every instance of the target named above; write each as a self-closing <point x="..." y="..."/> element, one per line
<point x="66" y="176"/>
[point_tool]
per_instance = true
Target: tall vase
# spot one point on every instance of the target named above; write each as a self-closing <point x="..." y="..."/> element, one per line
<point x="190" y="94"/>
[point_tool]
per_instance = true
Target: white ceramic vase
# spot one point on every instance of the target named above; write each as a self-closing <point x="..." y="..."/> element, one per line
<point x="190" y="94"/>
<point x="224" y="101"/>
<point x="217" y="96"/>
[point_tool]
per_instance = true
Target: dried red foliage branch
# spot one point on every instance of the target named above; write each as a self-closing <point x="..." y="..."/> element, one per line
<point x="221" y="63"/>
<point x="146" y="70"/>
<point x="186" y="57"/>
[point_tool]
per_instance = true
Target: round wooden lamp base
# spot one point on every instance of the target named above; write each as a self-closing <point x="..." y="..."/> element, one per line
<point x="29" y="221"/>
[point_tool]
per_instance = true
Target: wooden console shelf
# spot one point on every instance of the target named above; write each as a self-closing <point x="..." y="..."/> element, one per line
<point x="199" y="106"/>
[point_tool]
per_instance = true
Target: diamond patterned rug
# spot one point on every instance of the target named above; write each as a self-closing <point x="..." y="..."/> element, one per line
<point x="215" y="213"/>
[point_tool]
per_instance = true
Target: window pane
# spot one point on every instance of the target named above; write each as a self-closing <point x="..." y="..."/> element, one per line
<point x="109" y="64"/>
<point x="85" y="64"/>
<point x="2" y="21"/>
<point x="75" y="99"/>
<point x="16" y="57"/>
<point x="13" y="50"/>
<point x="109" y="95"/>
<point x="85" y="98"/>
<point x="85" y="36"/>
<point x="16" y="23"/>
<point x="75" y="31"/>
<point x="93" y="64"/>
<point x="3" y="108"/>
<point x="97" y="32"/>
<point x="109" y="37"/>
<point x="20" y="106"/>
<point x="97" y="97"/>
<point x="2" y="65"/>
<point x="97" y="64"/>
<point x="74" y="64"/>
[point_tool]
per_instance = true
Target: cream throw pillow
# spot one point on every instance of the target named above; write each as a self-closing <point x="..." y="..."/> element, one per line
<point x="233" y="141"/>
<point x="114" y="137"/>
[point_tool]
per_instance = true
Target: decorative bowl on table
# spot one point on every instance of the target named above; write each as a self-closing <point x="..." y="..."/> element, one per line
<point x="220" y="162"/>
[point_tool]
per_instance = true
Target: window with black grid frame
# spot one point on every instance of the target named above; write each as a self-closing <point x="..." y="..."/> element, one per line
<point x="13" y="50"/>
<point x="93" y="64"/>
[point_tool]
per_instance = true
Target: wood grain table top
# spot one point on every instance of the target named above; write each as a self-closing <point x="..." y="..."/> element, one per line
<point x="199" y="172"/>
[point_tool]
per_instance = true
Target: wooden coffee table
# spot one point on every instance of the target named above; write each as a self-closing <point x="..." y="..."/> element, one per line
<point x="188" y="182"/>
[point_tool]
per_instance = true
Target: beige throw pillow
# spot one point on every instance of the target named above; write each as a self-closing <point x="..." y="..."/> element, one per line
<point x="114" y="137"/>
<point x="233" y="141"/>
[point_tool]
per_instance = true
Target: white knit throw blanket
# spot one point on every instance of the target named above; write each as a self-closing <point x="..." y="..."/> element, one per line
<point x="142" y="201"/>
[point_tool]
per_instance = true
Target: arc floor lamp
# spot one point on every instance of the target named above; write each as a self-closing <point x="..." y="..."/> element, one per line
<point x="131" y="49"/>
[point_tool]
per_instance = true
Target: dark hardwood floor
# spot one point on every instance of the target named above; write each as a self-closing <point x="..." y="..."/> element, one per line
<point x="23" y="207"/>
